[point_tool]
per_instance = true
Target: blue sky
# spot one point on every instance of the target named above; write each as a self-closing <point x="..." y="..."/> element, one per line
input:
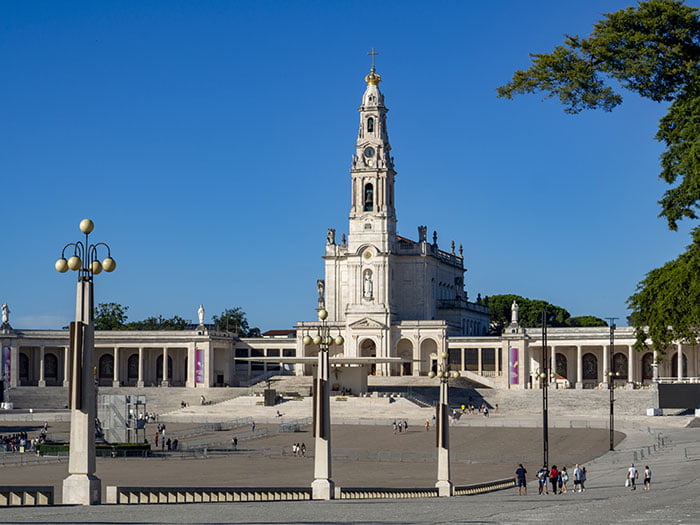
<point x="210" y="142"/>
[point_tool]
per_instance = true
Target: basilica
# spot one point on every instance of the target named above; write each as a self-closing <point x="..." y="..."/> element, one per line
<point x="398" y="303"/>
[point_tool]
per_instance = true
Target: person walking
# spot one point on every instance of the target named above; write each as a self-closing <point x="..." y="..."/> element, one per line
<point x="584" y="474"/>
<point x="563" y="480"/>
<point x="577" y="478"/>
<point x="632" y="476"/>
<point x="647" y="478"/>
<point x="520" y="474"/>
<point x="542" y="475"/>
<point x="554" y="478"/>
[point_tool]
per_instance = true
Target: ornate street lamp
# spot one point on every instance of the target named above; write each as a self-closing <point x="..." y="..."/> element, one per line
<point x="82" y="487"/>
<point x="544" y="383"/>
<point x="322" y="486"/>
<point x="442" y="437"/>
<point x="611" y="381"/>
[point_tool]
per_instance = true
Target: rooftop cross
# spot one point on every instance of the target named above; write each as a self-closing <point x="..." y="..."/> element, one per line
<point x="373" y="53"/>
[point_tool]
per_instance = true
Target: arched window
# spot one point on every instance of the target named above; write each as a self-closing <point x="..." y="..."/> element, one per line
<point x="106" y="367"/>
<point x="620" y="366"/>
<point x="159" y="367"/>
<point x="370" y="125"/>
<point x="50" y="367"/>
<point x="23" y="368"/>
<point x="561" y="365"/>
<point x="590" y="367"/>
<point x="132" y="367"/>
<point x="369" y="198"/>
<point x="648" y="366"/>
<point x="674" y="365"/>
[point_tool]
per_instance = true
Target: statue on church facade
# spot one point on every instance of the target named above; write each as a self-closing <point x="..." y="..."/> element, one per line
<point x="422" y="233"/>
<point x="367" y="285"/>
<point x="330" y="236"/>
<point x="200" y="314"/>
<point x="5" y="314"/>
<point x="514" y="313"/>
<point x="321" y="288"/>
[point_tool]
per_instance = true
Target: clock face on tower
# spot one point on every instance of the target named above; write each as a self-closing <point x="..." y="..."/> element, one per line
<point x="369" y="152"/>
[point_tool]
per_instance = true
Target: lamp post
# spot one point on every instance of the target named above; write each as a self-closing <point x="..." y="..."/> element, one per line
<point x="442" y="435"/>
<point x="82" y="487"/>
<point x="544" y="384"/>
<point x="611" y="381"/>
<point x="322" y="486"/>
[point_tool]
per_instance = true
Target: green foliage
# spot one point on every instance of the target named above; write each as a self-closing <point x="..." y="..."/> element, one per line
<point x="666" y="306"/>
<point x="234" y="320"/>
<point x="158" y="323"/>
<point x="102" y="450"/>
<point x="652" y="49"/>
<point x="585" y="320"/>
<point x="529" y="313"/>
<point x="110" y="316"/>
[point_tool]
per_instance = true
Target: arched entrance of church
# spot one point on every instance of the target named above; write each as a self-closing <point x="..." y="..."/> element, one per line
<point x="105" y="370"/>
<point x="404" y="350"/>
<point x="368" y="348"/>
<point x="674" y="365"/>
<point x="648" y="366"/>
<point x="428" y="356"/>
<point x="159" y="368"/>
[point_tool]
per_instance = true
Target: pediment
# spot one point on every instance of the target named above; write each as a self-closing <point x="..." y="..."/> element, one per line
<point x="367" y="323"/>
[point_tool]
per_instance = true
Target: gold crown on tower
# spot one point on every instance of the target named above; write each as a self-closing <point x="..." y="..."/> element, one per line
<point x="373" y="79"/>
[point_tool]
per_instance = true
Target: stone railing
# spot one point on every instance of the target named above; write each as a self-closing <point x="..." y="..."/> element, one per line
<point x="25" y="495"/>
<point x="146" y="495"/>
<point x="489" y="486"/>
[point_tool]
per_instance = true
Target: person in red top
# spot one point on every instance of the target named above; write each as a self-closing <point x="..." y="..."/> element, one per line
<point x="553" y="477"/>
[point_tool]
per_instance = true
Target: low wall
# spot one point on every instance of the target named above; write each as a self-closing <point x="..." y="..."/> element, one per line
<point x="27" y="495"/>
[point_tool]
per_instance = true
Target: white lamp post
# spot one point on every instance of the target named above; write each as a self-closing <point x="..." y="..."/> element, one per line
<point x="82" y="487"/>
<point x="444" y="484"/>
<point x="322" y="487"/>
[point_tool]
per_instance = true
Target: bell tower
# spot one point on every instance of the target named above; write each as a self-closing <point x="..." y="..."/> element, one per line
<point x="372" y="213"/>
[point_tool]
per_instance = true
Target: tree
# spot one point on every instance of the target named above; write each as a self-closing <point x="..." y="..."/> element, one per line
<point x="158" y="323"/>
<point x="585" y="320"/>
<point x="529" y="312"/>
<point x="110" y="316"/>
<point x="653" y="50"/>
<point x="234" y="320"/>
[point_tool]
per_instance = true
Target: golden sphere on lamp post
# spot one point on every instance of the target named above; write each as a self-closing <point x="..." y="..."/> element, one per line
<point x="307" y="340"/>
<point x="109" y="264"/>
<point x="74" y="263"/>
<point x="61" y="265"/>
<point x="86" y="226"/>
<point x="322" y="314"/>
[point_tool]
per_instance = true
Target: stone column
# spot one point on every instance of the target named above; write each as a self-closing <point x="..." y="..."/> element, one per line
<point x="166" y="379"/>
<point x="322" y="487"/>
<point x="496" y="361"/>
<point x="14" y="366"/>
<point x="679" y="370"/>
<point x="606" y="363"/>
<point x="191" y="365"/>
<point x="462" y="358"/>
<point x="82" y="487"/>
<point x="630" y="366"/>
<point x="116" y="379"/>
<point x="579" y="366"/>
<point x="444" y="483"/>
<point x="655" y="367"/>
<point x="66" y="366"/>
<point x="553" y="365"/>
<point x="479" y="365"/>
<point x="42" y="354"/>
<point x="139" y="382"/>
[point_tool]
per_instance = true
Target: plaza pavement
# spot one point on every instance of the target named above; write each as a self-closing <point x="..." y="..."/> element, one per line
<point x="673" y="498"/>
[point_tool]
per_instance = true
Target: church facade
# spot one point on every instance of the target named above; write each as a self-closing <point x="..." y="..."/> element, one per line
<point x="398" y="300"/>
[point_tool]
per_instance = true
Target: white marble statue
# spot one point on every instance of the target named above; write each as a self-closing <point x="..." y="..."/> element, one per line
<point x="367" y="286"/>
<point x="5" y="313"/>
<point x="200" y="313"/>
<point x="514" y="313"/>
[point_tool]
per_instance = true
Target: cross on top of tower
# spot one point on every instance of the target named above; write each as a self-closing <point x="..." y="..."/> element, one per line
<point x="373" y="53"/>
<point x="373" y="78"/>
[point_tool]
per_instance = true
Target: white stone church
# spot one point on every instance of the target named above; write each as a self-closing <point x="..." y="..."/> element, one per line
<point x="387" y="295"/>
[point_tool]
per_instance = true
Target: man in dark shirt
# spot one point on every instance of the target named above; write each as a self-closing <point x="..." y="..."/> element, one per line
<point x="521" y="480"/>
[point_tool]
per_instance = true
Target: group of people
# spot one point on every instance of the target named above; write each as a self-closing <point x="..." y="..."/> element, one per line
<point x="399" y="426"/>
<point x="633" y="475"/>
<point x="299" y="450"/>
<point x="559" y="479"/>
<point x="21" y="442"/>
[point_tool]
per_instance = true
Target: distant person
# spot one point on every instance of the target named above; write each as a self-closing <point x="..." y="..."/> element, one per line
<point x="577" y="478"/>
<point x="303" y="450"/>
<point x="252" y="427"/>
<point x="647" y="478"/>
<point x="234" y="442"/>
<point x="542" y="475"/>
<point x="175" y="443"/>
<point x="563" y="480"/>
<point x="632" y="475"/>
<point x="405" y="425"/>
<point x="583" y="479"/>
<point x="169" y="444"/>
<point x="202" y="400"/>
<point x="427" y="425"/>
<point x="520" y="474"/>
<point x="554" y="478"/>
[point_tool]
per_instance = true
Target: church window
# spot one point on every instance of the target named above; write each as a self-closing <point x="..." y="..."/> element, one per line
<point x="369" y="198"/>
<point x="370" y="125"/>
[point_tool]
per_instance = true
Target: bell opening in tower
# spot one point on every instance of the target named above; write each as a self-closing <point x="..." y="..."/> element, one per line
<point x="369" y="198"/>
